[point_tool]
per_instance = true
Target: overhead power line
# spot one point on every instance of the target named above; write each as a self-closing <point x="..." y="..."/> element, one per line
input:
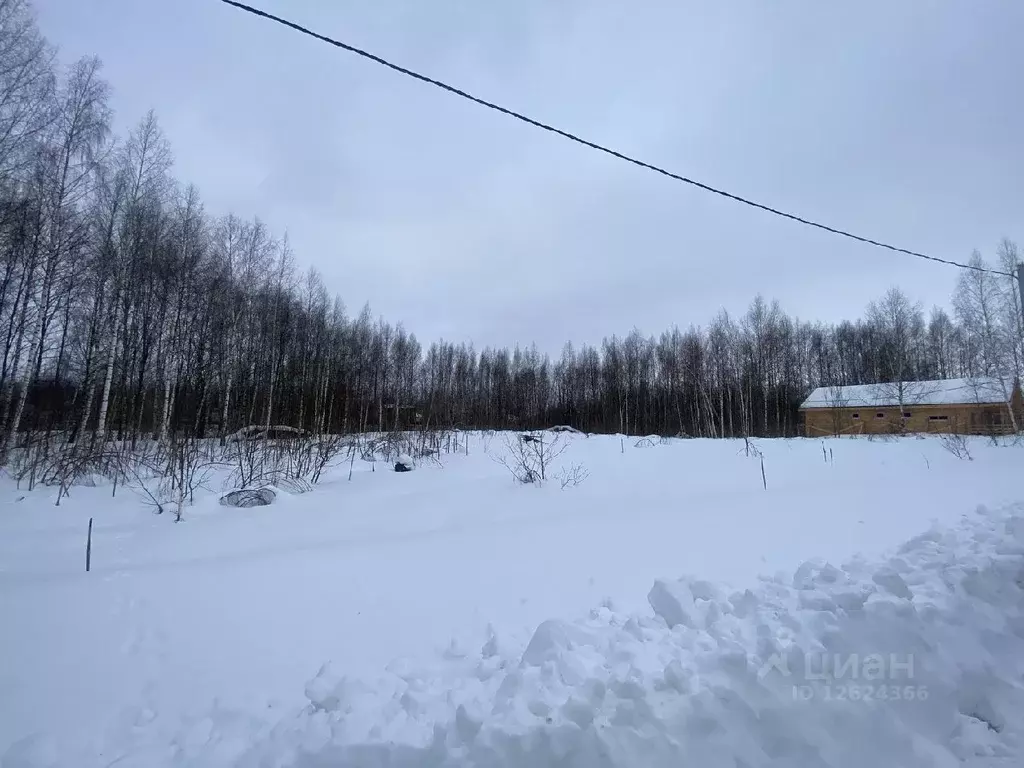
<point x="593" y="145"/>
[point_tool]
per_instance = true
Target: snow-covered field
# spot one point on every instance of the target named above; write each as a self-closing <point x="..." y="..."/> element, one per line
<point x="450" y="616"/>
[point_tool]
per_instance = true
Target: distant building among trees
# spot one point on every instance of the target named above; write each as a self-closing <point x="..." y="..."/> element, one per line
<point x="983" y="405"/>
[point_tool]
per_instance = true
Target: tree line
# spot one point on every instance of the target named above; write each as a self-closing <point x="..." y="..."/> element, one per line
<point x="127" y="311"/>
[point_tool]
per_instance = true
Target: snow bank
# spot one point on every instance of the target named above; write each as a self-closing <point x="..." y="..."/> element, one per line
<point x="915" y="660"/>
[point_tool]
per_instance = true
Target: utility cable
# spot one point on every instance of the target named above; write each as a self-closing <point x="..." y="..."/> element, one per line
<point x="593" y="145"/>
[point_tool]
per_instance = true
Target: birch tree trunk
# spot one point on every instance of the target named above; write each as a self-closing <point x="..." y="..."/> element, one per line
<point x="10" y="435"/>
<point x="101" y="425"/>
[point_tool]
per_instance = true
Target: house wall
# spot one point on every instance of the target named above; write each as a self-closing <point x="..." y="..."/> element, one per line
<point x="965" y="419"/>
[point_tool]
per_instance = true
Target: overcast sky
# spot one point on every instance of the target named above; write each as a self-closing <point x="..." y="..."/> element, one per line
<point x="899" y="120"/>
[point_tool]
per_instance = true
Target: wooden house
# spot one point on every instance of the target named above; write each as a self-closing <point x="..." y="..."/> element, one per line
<point x="981" y="405"/>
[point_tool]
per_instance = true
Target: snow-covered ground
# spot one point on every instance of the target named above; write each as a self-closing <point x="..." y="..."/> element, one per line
<point x="450" y="616"/>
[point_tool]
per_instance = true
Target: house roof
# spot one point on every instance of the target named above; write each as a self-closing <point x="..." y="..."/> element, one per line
<point x="982" y="390"/>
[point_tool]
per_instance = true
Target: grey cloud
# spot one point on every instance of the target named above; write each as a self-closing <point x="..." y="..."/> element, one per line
<point x="894" y="119"/>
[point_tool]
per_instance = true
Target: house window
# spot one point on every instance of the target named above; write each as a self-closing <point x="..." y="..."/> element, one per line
<point x="856" y="415"/>
<point x="879" y="415"/>
<point x="938" y="418"/>
<point x="906" y="414"/>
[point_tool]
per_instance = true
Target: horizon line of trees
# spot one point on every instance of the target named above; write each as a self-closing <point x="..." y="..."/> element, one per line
<point x="127" y="311"/>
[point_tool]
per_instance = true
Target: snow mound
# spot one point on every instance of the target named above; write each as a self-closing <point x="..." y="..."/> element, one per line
<point x="914" y="661"/>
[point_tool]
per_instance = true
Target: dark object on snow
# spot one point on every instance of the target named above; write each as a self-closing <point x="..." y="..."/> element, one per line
<point x="529" y="438"/>
<point x="249" y="497"/>
<point x="401" y="466"/>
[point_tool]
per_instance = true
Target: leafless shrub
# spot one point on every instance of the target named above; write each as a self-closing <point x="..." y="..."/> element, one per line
<point x="30" y="460"/>
<point x="427" y="444"/>
<point x="291" y="459"/>
<point x="519" y="463"/>
<point x="53" y="461"/>
<point x="166" y="474"/>
<point x="299" y="459"/>
<point x="435" y="442"/>
<point x="528" y="456"/>
<point x="142" y="471"/>
<point x="328" y="450"/>
<point x="430" y="444"/>
<point x="571" y="476"/>
<point x="366" y="449"/>
<point x="34" y="460"/>
<point x="390" y="446"/>
<point x="190" y="465"/>
<point x="956" y="444"/>
<point x="750" y="449"/>
<point x="387" y="447"/>
<point x="248" y="458"/>
<point x="81" y="462"/>
<point x="305" y="459"/>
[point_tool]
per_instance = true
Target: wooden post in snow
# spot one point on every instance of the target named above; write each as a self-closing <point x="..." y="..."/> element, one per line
<point x="88" y="548"/>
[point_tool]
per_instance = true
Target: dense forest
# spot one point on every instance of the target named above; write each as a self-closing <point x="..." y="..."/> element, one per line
<point x="127" y="310"/>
